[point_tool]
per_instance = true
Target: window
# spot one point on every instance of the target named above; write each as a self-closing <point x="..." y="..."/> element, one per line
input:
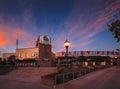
<point x="32" y="54"/>
<point x="19" y="55"/>
<point x="45" y="55"/>
<point x="26" y="55"/>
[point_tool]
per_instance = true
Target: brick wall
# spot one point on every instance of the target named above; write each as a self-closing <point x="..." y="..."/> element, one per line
<point x="45" y="55"/>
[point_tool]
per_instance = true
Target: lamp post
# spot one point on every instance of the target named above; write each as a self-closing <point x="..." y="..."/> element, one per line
<point x="66" y="44"/>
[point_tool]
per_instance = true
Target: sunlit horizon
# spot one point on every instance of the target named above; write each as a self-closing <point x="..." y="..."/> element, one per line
<point x="83" y="23"/>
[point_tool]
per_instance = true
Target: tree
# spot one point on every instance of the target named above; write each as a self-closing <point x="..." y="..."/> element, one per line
<point x="115" y="29"/>
<point x="11" y="59"/>
<point x="0" y="60"/>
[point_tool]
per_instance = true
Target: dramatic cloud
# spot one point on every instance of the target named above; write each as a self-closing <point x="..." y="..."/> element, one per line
<point x="81" y="25"/>
<point x="77" y="26"/>
<point x="3" y="39"/>
<point x="9" y="35"/>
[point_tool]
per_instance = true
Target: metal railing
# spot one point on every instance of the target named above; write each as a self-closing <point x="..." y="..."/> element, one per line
<point x="62" y="78"/>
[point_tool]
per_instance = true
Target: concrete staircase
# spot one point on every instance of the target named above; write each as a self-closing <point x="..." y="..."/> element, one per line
<point x="33" y="71"/>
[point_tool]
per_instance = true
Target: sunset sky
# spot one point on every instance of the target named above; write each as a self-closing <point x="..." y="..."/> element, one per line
<point x="82" y="22"/>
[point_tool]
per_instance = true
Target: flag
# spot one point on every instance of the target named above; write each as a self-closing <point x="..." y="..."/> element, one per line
<point x="63" y="53"/>
<point x="102" y="52"/>
<point x="107" y="52"/>
<point x="74" y="52"/>
<point x="82" y="53"/>
<point x="98" y="52"/>
<point x="70" y="53"/>
<point x="88" y="52"/>
<point x="113" y="52"/>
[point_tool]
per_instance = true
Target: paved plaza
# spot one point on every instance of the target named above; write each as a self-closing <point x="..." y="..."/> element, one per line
<point x="102" y="79"/>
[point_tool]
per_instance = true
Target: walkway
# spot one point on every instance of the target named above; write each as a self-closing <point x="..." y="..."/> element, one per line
<point x="102" y="79"/>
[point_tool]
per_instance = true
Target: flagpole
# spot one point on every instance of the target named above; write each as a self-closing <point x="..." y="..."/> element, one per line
<point x="16" y="43"/>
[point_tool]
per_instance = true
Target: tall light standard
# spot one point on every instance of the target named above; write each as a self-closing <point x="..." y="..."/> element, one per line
<point x="66" y="44"/>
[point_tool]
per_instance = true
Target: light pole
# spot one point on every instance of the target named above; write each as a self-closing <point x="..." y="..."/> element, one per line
<point x="66" y="44"/>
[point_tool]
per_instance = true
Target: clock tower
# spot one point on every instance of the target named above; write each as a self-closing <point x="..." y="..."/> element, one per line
<point x="43" y="44"/>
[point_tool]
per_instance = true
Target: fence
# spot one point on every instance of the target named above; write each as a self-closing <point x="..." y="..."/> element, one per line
<point x="61" y="78"/>
<point x="56" y="79"/>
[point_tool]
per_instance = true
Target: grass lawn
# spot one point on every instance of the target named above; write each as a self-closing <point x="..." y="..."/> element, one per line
<point x="5" y="68"/>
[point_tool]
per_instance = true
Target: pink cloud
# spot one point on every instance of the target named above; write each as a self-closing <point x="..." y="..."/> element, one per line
<point x="80" y="29"/>
<point x="3" y="38"/>
<point x="99" y="23"/>
<point x="9" y="34"/>
<point x="84" y="43"/>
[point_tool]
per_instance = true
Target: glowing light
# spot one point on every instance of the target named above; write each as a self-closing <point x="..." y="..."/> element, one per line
<point x="66" y="43"/>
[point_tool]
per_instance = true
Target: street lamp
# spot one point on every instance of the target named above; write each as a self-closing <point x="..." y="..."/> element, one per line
<point x="66" y="44"/>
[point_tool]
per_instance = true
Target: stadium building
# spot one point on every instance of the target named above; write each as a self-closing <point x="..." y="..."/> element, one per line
<point x="40" y="55"/>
